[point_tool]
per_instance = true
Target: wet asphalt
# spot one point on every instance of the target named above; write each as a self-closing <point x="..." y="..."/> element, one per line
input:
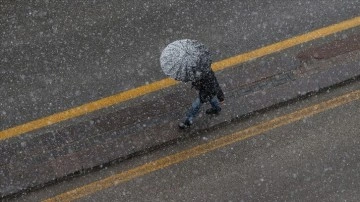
<point x="60" y="54"/>
<point x="313" y="159"/>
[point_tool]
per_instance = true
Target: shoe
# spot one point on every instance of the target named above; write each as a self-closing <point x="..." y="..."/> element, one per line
<point x="185" y="124"/>
<point x="213" y="111"/>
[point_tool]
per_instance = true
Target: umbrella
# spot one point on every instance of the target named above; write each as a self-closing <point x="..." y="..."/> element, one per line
<point x="185" y="60"/>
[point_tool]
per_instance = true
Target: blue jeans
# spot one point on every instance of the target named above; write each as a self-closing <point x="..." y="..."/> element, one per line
<point x="196" y="105"/>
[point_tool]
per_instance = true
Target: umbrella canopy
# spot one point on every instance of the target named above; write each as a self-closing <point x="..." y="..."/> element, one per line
<point x="185" y="60"/>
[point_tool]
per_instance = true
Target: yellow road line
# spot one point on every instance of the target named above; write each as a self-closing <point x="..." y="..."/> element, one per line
<point x="86" y="108"/>
<point x="165" y="83"/>
<point x="288" y="43"/>
<point x="205" y="148"/>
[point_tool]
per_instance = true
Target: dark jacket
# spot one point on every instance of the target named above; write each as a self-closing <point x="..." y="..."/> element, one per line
<point x="208" y="87"/>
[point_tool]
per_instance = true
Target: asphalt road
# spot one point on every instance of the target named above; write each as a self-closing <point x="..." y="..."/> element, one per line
<point x="59" y="54"/>
<point x="314" y="159"/>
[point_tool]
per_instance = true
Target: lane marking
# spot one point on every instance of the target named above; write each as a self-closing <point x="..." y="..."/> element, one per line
<point x="165" y="83"/>
<point x="86" y="108"/>
<point x="205" y="148"/>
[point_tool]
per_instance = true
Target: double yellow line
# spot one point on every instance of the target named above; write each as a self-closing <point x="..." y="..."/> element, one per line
<point x="165" y="83"/>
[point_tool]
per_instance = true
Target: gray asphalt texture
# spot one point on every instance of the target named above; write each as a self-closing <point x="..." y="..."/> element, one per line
<point x="60" y="54"/>
<point x="57" y="55"/>
<point x="314" y="159"/>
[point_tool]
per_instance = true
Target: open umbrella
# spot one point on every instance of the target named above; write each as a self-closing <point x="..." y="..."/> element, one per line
<point x="185" y="60"/>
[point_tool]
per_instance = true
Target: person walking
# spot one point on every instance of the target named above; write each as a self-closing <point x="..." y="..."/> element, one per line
<point x="189" y="60"/>
<point x="210" y="91"/>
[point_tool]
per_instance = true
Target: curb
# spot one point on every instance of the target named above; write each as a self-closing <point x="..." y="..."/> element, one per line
<point x="91" y="145"/>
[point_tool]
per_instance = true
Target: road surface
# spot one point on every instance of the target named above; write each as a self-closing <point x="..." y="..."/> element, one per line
<point x="58" y="55"/>
<point x="313" y="159"/>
